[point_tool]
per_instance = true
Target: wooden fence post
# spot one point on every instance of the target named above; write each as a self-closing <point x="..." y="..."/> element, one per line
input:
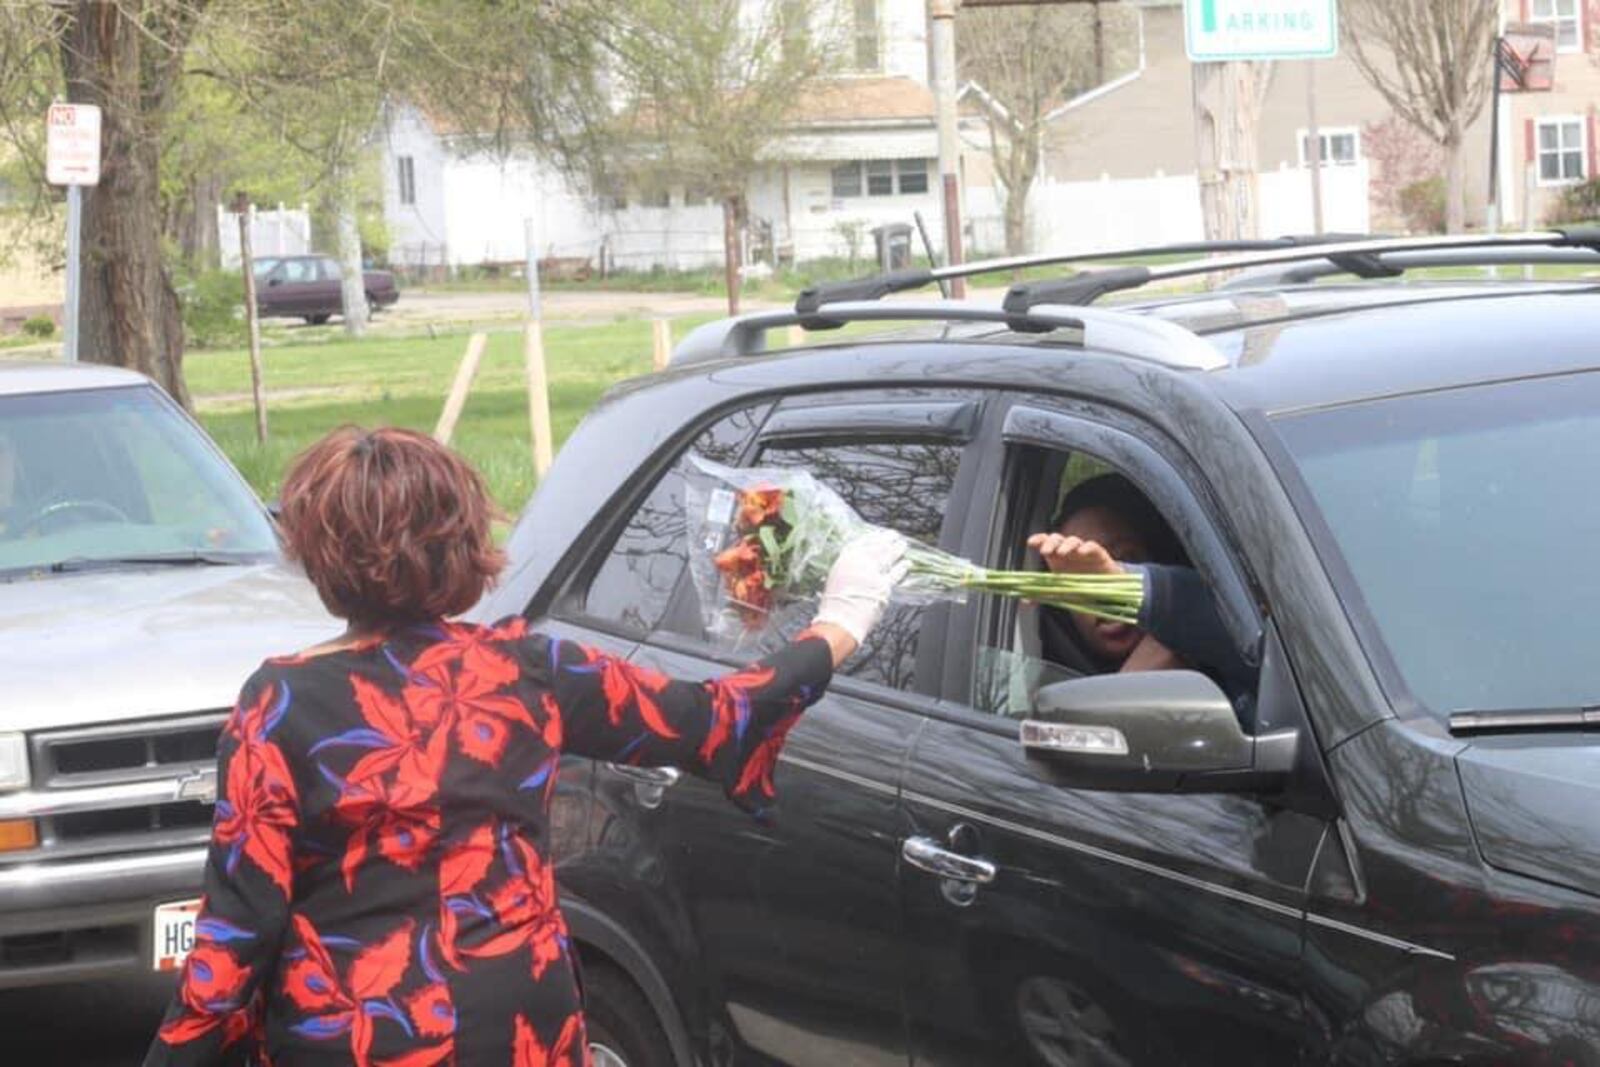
<point x="458" y="389"/>
<point x="252" y="317"/>
<point x="660" y="343"/>
<point x="538" y="397"/>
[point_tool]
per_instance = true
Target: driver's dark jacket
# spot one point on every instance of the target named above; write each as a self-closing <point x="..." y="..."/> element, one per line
<point x="1180" y="612"/>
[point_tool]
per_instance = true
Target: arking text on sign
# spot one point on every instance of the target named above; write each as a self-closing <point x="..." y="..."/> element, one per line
<point x="1219" y="30"/>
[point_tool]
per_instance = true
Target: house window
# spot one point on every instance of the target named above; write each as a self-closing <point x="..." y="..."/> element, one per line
<point x="1565" y="16"/>
<point x="408" y="180"/>
<point x="880" y="177"/>
<point x="846" y="180"/>
<point x="695" y="194"/>
<point x="867" y="36"/>
<point x="611" y="195"/>
<point x="1562" y="150"/>
<point x="1340" y="148"/>
<point x="912" y="174"/>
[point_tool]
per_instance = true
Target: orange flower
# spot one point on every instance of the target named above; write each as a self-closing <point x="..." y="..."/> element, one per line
<point x="740" y="559"/>
<point x="759" y="506"/>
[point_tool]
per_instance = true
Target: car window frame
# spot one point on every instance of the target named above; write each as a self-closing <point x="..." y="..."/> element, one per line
<point x="567" y="600"/>
<point x="1155" y="463"/>
<point x="873" y="415"/>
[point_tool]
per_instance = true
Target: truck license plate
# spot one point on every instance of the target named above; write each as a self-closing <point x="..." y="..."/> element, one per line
<point x="174" y="933"/>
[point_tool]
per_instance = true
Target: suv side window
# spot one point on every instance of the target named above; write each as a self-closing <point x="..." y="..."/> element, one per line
<point x="636" y="580"/>
<point x="328" y="269"/>
<point x="1023" y="647"/>
<point x="904" y="485"/>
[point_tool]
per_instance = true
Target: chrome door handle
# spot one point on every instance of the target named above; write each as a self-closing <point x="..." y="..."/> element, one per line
<point x="650" y="784"/>
<point x="929" y="855"/>
<point x="659" y="777"/>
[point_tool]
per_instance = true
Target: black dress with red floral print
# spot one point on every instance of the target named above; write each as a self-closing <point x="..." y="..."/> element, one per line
<point x="379" y="889"/>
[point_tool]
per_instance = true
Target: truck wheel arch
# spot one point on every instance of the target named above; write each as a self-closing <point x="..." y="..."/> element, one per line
<point x="597" y="935"/>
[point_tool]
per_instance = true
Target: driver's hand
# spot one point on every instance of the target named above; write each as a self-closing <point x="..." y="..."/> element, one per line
<point x="1073" y="555"/>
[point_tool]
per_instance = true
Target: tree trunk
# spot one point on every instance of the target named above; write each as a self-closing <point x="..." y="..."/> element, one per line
<point x="1226" y="107"/>
<point x="730" y="250"/>
<point x="129" y="313"/>
<point x="352" y="285"/>
<point x="1016" y="217"/>
<point x="1455" y="185"/>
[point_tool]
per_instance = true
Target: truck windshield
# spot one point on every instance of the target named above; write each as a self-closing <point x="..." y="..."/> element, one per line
<point x="1467" y="525"/>
<point x="108" y="474"/>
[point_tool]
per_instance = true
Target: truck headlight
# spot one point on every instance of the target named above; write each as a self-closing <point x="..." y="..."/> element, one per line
<point x="13" y="762"/>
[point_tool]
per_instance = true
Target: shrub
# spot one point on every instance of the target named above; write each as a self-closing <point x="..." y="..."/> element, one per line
<point x="1422" y="203"/>
<point x="213" y="309"/>
<point x="1576" y="204"/>
<point x="40" y="326"/>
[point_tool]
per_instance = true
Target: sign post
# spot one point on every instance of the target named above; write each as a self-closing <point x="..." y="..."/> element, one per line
<point x="72" y="159"/>
<point x="1217" y="31"/>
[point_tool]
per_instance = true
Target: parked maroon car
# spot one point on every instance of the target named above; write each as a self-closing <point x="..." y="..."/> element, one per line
<point x="307" y="287"/>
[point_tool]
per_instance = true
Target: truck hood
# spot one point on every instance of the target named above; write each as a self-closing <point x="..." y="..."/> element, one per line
<point x="129" y="644"/>
<point x="1532" y="801"/>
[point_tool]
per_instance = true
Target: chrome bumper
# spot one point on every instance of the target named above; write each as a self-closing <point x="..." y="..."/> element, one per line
<point x="70" y="920"/>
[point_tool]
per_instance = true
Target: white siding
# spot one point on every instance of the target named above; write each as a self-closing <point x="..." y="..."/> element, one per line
<point x="418" y="234"/>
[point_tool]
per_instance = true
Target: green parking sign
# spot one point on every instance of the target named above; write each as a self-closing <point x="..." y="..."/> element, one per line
<point x="1219" y="30"/>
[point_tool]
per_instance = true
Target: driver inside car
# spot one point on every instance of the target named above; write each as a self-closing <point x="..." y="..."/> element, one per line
<point x="1106" y="525"/>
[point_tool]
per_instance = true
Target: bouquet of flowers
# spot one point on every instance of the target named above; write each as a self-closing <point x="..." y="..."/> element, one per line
<point x="763" y="538"/>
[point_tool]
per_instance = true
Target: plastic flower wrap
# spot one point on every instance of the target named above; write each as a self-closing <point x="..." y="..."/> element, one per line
<point x="765" y="538"/>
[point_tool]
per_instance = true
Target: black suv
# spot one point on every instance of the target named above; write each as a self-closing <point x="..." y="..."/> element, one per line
<point x="1393" y="490"/>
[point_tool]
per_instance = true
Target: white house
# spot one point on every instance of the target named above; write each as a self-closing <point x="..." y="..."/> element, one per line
<point x="862" y="152"/>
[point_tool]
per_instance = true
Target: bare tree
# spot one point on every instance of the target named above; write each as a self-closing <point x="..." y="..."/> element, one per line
<point x="1430" y="59"/>
<point x="709" y="89"/>
<point x="1025" y="63"/>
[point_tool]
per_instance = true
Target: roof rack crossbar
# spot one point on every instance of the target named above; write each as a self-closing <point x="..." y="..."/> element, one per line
<point x="1400" y="262"/>
<point x="1359" y="256"/>
<point x="1120" y="332"/>
<point x="878" y="286"/>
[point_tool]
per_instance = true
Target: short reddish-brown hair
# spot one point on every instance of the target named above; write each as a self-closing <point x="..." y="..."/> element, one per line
<point x="391" y="527"/>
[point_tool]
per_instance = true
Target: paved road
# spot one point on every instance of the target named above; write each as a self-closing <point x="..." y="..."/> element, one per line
<point x="108" y="1024"/>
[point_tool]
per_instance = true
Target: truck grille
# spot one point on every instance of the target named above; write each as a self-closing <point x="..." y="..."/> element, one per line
<point x="82" y="762"/>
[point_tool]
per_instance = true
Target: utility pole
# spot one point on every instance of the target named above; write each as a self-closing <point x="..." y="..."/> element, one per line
<point x="1226" y="106"/>
<point x="943" y="18"/>
<point x="1314" y="149"/>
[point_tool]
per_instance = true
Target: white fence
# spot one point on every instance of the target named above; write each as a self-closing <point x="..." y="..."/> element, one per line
<point x="280" y="231"/>
<point x="1095" y="216"/>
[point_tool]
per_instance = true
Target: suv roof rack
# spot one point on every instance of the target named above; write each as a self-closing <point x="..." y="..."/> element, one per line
<point x="1365" y="258"/>
<point x="1124" y="333"/>
<point x="1394" y="264"/>
<point x="878" y="286"/>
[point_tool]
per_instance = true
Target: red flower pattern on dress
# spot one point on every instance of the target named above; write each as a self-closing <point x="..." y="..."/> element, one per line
<point x="212" y="989"/>
<point x="524" y="904"/>
<point x="331" y="1007"/>
<point x="257" y="812"/>
<point x="355" y="797"/>
<point x="569" y="1049"/>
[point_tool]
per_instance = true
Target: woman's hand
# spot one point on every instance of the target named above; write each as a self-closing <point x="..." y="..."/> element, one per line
<point x="1073" y="555"/>
<point x="858" y="587"/>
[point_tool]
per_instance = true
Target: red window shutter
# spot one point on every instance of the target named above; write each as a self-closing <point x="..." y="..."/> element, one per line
<point x="1530" y="142"/>
<point x="1524" y="10"/>
<point x="1590" y="171"/>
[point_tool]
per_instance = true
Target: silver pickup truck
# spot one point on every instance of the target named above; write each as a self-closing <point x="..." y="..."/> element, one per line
<point x="140" y="582"/>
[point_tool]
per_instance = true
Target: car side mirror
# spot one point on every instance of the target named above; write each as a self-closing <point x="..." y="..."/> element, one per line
<point x="1152" y="732"/>
<point x="273" y="281"/>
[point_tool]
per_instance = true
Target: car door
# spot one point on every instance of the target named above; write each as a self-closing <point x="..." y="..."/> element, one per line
<point x="291" y="286"/>
<point x="1062" y="926"/>
<point x="327" y="293"/>
<point x="796" y="918"/>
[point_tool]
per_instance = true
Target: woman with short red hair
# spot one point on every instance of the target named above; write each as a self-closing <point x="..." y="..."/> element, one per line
<point x="379" y="889"/>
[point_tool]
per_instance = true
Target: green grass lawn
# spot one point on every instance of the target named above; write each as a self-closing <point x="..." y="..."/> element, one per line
<point x="315" y="387"/>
